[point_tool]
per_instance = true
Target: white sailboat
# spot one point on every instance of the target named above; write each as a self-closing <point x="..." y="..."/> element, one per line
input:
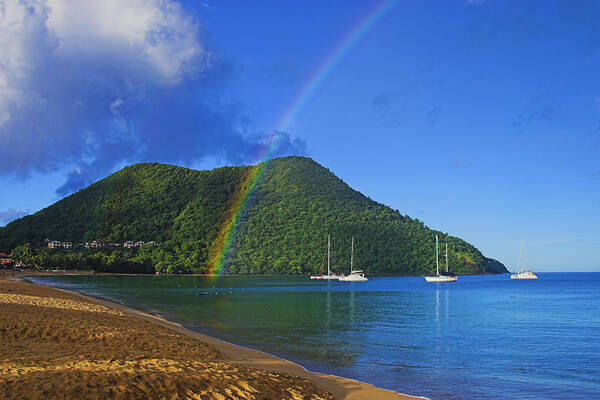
<point x="523" y="273"/>
<point x="330" y="275"/>
<point x="355" y="275"/>
<point x="447" y="277"/>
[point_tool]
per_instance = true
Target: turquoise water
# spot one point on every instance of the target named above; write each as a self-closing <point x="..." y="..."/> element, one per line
<point x="481" y="337"/>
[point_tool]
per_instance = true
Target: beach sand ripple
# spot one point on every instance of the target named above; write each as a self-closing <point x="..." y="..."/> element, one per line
<point x="57" y="345"/>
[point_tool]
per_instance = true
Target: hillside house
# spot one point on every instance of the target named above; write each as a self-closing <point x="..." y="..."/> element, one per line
<point x="96" y="244"/>
<point x="139" y="243"/>
<point x="128" y="244"/>
<point x="54" y="244"/>
<point x="67" y="245"/>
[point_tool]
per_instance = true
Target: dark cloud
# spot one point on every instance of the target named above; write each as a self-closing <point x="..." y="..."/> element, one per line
<point x="433" y="115"/>
<point x="594" y="132"/>
<point x="226" y="144"/>
<point x="385" y="105"/>
<point x="10" y="215"/>
<point x="77" y="94"/>
<point x="538" y="110"/>
<point x="381" y="103"/>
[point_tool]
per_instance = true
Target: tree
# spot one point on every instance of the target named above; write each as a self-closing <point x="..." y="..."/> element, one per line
<point x="23" y="253"/>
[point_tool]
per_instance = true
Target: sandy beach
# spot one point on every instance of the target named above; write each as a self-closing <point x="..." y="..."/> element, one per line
<point x="59" y="344"/>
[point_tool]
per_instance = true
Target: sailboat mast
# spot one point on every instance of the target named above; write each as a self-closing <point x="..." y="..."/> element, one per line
<point x="437" y="264"/>
<point x="446" y="257"/>
<point x="352" y="254"/>
<point x="328" y="253"/>
<point x="521" y="257"/>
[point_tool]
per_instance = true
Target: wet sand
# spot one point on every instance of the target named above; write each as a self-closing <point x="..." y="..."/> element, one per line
<point x="60" y="344"/>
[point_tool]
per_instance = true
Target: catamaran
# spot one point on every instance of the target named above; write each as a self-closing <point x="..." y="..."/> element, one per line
<point x="523" y="273"/>
<point x="443" y="277"/>
<point x="355" y="275"/>
<point x="330" y="275"/>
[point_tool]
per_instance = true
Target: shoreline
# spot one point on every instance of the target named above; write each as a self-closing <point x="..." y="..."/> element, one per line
<point x="94" y="273"/>
<point x="339" y="387"/>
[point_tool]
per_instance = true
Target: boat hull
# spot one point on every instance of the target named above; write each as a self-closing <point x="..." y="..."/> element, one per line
<point x="325" y="277"/>
<point x="441" y="278"/>
<point x="524" y="275"/>
<point x="351" y="278"/>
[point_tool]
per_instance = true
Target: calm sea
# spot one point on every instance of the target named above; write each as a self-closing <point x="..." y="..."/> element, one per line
<point x="481" y="337"/>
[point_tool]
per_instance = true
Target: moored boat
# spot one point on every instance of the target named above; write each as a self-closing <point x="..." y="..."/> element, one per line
<point x="330" y="275"/>
<point x="523" y="273"/>
<point x="441" y="277"/>
<point x="355" y="275"/>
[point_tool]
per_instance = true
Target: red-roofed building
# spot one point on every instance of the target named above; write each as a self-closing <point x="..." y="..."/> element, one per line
<point x="5" y="259"/>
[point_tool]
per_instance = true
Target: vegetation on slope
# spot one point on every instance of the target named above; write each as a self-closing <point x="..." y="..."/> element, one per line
<point x="296" y="204"/>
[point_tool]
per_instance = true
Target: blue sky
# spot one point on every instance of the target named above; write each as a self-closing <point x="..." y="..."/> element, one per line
<point x="480" y="118"/>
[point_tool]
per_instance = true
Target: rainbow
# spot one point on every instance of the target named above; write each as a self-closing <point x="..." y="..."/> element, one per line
<point x="239" y="202"/>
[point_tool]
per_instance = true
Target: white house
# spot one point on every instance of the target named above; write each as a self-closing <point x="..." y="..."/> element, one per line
<point x="128" y="244"/>
<point x="53" y="244"/>
<point x="96" y="243"/>
<point x="67" y="245"/>
<point x="139" y="243"/>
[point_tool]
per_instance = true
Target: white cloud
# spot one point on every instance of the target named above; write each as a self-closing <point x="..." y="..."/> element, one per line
<point x="63" y="61"/>
<point x="90" y="85"/>
<point x="19" y="27"/>
<point x="155" y="34"/>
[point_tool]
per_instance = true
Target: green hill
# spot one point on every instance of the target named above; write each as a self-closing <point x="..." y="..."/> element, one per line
<point x="284" y="230"/>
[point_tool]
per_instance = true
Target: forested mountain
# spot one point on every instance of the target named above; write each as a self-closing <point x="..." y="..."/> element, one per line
<point x="284" y="229"/>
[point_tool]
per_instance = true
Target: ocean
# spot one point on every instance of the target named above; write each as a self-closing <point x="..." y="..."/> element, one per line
<point x="480" y="337"/>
